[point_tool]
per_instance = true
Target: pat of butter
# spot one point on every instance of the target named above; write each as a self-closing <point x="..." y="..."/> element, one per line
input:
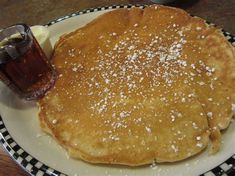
<point x="42" y="35"/>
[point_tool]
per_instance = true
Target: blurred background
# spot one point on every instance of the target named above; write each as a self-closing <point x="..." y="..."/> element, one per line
<point x="220" y="12"/>
<point x="32" y="12"/>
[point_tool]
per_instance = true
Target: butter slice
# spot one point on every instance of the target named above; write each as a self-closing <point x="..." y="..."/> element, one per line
<point x="42" y="35"/>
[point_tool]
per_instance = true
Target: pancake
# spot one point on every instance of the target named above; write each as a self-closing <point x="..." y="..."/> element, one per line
<point x="216" y="68"/>
<point x="137" y="86"/>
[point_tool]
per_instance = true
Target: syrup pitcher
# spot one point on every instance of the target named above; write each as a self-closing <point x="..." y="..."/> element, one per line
<point x="24" y="67"/>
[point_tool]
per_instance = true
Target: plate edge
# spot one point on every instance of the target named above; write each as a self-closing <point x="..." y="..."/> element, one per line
<point x="218" y="170"/>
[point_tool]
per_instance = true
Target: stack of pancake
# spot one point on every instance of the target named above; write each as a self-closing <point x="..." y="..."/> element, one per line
<point x="137" y="86"/>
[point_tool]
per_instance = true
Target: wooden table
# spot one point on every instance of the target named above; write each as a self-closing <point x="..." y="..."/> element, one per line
<point x="220" y="12"/>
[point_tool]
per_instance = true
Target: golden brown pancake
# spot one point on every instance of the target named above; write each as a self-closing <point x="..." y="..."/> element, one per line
<point x="140" y="85"/>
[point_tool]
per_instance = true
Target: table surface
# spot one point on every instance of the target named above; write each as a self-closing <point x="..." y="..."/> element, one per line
<point x="219" y="12"/>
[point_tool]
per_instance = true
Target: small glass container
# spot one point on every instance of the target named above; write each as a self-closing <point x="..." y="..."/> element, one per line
<point x="24" y="67"/>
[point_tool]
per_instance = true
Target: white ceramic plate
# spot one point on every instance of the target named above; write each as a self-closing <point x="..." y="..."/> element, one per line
<point x="38" y="154"/>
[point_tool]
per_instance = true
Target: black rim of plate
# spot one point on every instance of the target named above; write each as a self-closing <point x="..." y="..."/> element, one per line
<point x="34" y="167"/>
